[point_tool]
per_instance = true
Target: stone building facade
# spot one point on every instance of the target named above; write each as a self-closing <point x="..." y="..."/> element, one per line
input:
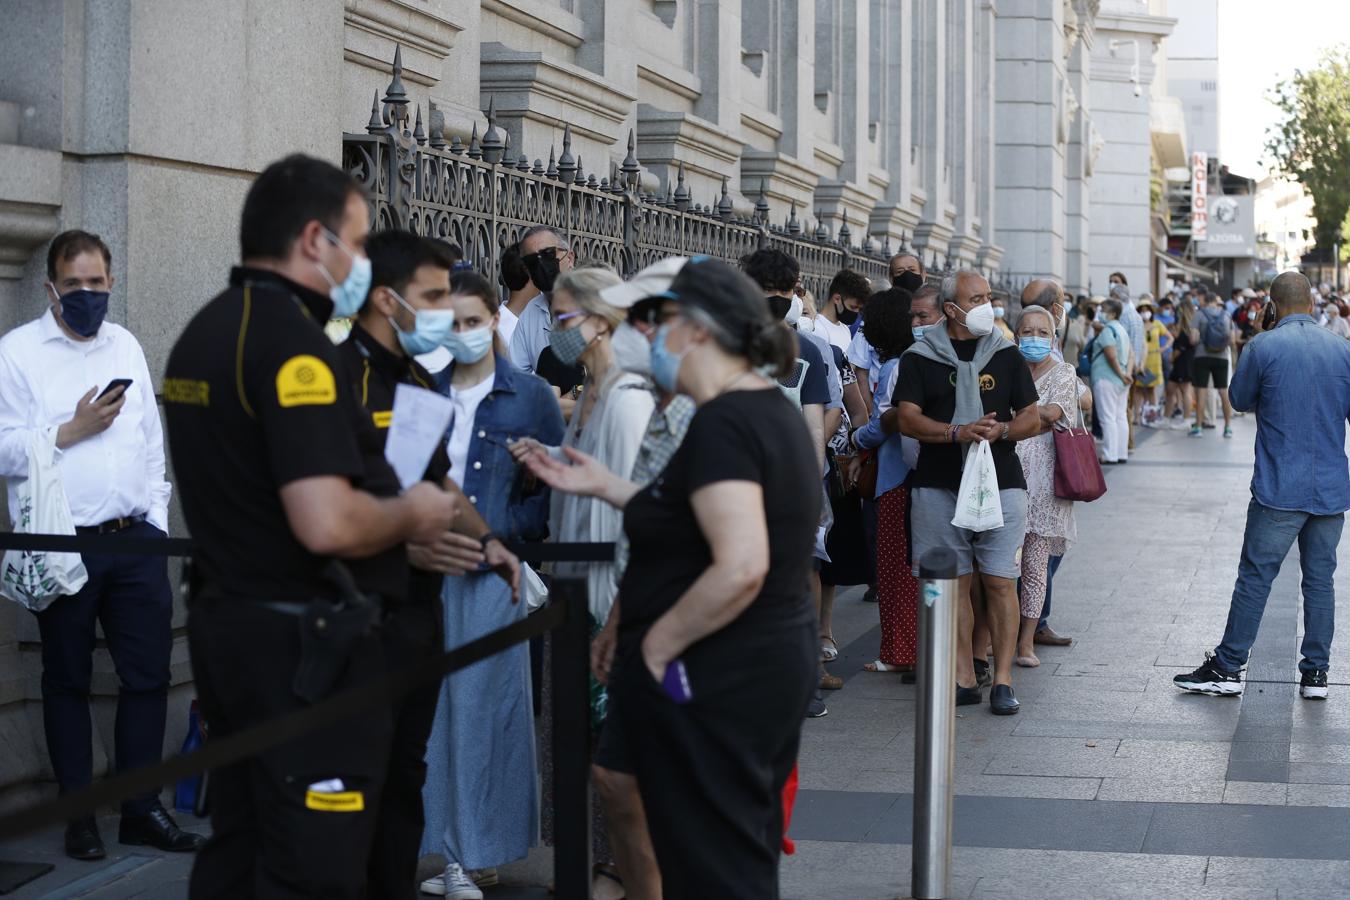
<point x="965" y="129"/>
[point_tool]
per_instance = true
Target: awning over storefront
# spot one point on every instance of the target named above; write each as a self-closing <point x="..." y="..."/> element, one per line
<point x="1183" y="265"/>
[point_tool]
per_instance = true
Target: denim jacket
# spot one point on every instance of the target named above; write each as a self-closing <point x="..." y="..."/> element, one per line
<point x="1297" y="378"/>
<point x="897" y="454"/>
<point x="519" y="405"/>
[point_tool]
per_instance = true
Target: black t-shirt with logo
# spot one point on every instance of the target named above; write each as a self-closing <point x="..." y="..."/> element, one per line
<point x="1006" y="386"/>
<point x="255" y="398"/>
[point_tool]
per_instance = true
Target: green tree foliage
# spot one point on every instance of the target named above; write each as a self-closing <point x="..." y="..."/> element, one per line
<point x="1312" y="142"/>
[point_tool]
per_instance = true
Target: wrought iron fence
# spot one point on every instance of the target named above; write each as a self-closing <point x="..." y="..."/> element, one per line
<point x="482" y="197"/>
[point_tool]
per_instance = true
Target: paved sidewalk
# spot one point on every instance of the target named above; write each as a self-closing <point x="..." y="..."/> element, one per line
<point x="1109" y="783"/>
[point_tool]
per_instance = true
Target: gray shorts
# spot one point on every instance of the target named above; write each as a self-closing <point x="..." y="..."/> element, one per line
<point x="998" y="552"/>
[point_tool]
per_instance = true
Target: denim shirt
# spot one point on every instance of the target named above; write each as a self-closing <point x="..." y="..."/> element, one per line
<point x="519" y="405"/>
<point x="892" y="466"/>
<point x="1297" y="378"/>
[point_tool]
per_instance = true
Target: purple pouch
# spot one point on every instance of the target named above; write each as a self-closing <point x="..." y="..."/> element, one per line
<point x="676" y="683"/>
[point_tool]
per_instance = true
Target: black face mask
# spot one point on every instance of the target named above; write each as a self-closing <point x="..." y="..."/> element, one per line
<point x="910" y="281"/>
<point x="543" y="268"/>
<point x="778" y="307"/>
<point x="847" y="316"/>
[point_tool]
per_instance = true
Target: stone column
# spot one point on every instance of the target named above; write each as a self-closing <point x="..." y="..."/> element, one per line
<point x="990" y="254"/>
<point x="1029" y="168"/>
<point x="895" y="214"/>
<point x="1122" y="74"/>
<point x="1077" y="205"/>
<point x="931" y="138"/>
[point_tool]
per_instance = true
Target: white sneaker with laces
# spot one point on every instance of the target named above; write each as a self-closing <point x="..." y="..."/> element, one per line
<point x="453" y="884"/>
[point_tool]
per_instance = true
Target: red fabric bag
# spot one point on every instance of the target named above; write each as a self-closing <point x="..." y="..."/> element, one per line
<point x="1078" y="474"/>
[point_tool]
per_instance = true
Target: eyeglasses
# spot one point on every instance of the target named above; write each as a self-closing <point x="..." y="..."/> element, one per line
<point x="568" y="316"/>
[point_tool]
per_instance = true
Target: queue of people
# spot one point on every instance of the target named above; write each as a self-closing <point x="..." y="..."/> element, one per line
<point x="749" y="449"/>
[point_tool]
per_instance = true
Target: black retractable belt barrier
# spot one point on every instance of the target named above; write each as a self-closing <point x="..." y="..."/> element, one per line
<point x="144" y="546"/>
<point x="566" y="615"/>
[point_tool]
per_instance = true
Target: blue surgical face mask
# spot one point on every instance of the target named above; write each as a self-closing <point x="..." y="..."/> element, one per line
<point x="348" y="296"/>
<point x="665" y="365"/>
<point x="920" y="330"/>
<point x="430" y="326"/>
<point x="1166" y="318"/>
<point x="1034" y="349"/>
<point x="469" y="346"/>
<point x="83" y="310"/>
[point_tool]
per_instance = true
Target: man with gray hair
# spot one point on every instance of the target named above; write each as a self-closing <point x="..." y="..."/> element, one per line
<point x="546" y="253"/>
<point x="961" y="384"/>
<point x="1296" y="377"/>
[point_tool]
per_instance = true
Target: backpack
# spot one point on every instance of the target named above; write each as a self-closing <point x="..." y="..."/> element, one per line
<point x="1085" y="358"/>
<point x="1215" y="333"/>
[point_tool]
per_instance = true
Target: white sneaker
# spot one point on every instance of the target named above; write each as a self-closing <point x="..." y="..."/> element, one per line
<point x="453" y="884"/>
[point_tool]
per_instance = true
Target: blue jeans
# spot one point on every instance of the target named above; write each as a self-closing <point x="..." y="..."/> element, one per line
<point x="1270" y="533"/>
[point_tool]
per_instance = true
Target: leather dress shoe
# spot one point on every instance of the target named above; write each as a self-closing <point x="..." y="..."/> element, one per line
<point x="158" y="829"/>
<point x="968" y="696"/>
<point x="1048" y="637"/>
<point x="1002" y="702"/>
<point x="83" y="841"/>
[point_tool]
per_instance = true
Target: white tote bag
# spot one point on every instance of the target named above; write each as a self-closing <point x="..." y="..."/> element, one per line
<point x="35" y="578"/>
<point x="978" y="507"/>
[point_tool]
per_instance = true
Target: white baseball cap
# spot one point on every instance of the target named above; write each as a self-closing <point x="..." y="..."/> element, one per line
<point x="652" y="281"/>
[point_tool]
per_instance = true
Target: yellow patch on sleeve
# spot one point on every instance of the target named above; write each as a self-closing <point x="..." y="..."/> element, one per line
<point x="305" y="381"/>
<point x="383" y="419"/>
<point x="342" y="801"/>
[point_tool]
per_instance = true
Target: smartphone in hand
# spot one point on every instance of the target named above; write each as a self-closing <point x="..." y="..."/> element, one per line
<point x="122" y="383"/>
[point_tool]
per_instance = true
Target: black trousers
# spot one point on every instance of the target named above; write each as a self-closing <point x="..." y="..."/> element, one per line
<point x="297" y="820"/>
<point x="131" y="597"/>
<point x="410" y="634"/>
<point x="711" y="773"/>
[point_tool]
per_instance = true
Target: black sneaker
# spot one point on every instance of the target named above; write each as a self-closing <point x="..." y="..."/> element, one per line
<point x="1314" y="685"/>
<point x="1211" y="679"/>
<point x="982" y="676"/>
<point x="816" y="708"/>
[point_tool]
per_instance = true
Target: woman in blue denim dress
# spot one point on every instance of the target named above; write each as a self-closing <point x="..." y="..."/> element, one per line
<point x="481" y="796"/>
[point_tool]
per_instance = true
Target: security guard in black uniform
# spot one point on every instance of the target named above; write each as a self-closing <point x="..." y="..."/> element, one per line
<point x="281" y="475"/>
<point x="408" y="312"/>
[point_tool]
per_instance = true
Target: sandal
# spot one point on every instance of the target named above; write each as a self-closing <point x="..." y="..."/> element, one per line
<point x="828" y="653"/>
<point x="877" y="665"/>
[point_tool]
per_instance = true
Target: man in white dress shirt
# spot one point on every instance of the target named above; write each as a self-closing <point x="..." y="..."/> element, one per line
<point x="111" y="462"/>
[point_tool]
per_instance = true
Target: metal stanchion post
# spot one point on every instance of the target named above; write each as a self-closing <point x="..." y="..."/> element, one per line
<point x="935" y="732"/>
<point x="571" y="742"/>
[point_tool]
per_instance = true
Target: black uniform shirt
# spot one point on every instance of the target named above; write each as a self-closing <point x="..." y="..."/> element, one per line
<point x="374" y="373"/>
<point x="253" y="400"/>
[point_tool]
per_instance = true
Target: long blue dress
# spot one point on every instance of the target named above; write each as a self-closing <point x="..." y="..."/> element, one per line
<point x="481" y="796"/>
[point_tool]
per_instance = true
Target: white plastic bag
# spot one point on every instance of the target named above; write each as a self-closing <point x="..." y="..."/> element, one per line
<point x="532" y="588"/>
<point x="35" y="578"/>
<point x="978" y="507"/>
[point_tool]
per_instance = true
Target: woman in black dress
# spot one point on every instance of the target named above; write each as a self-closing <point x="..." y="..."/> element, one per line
<point x="718" y="649"/>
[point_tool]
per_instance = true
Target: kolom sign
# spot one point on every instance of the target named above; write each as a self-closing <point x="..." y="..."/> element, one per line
<point x="1199" y="196"/>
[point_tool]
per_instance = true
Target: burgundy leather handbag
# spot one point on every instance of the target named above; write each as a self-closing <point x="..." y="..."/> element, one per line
<point x="1078" y="474"/>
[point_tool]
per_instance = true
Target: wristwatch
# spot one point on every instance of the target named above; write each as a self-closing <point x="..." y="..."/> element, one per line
<point x="1007" y="426"/>
<point x="489" y="538"/>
